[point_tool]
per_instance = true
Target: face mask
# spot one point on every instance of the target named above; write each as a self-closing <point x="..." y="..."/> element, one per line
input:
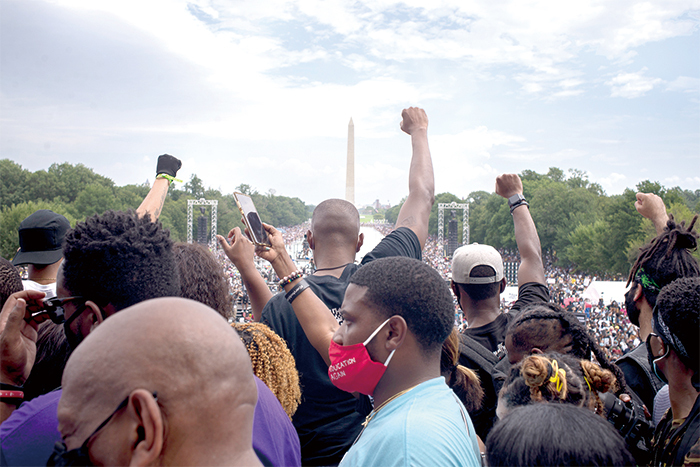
<point x="353" y="370"/>
<point x="652" y="359"/>
<point x="630" y="306"/>
<point x="73" y="338"/>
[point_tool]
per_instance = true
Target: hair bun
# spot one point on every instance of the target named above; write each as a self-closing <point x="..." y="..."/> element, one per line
<point x="535" y="370"/>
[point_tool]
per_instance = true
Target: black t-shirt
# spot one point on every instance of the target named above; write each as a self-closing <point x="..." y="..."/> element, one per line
<point x="493" y="335"/>
<point x="326" y="420"/>
<point x="492" y="338"/>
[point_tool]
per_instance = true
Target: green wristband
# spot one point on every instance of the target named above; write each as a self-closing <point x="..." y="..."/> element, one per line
<point x="169" y="178"/>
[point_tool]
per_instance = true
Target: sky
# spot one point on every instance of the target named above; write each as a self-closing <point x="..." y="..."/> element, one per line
<point x="261" y="92"/>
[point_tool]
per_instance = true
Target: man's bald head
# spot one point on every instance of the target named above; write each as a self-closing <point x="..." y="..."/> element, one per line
<point x="178" y="348"/>
<point x="335" y="222"/>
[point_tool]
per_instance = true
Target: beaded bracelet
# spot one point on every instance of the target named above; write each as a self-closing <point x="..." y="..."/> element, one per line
<point x="290" y="278"/>
<point x="296" y="290"/>
<point x="15" y="395"/>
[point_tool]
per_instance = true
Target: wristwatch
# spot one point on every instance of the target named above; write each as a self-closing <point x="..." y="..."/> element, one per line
<point x="516" y="201"/>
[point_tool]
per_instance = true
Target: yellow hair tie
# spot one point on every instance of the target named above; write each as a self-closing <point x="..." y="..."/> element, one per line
<point x="589" y="384"/>
<point x="559" y="373"/>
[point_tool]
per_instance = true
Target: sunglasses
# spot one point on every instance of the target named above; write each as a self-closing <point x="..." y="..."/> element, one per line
<point x="55" y="308"/>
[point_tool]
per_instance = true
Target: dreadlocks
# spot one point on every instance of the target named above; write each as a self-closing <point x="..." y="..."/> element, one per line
<point x="666" y="258"/>
<point x="548" y="327"/>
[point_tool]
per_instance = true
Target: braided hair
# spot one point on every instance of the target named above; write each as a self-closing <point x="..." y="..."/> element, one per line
<point x="272" y="362"/>
<point x="666" y="258"/>
<point x="553" y="377"/>
<point x="463" y="381"/>
<point x="547" y="326"/>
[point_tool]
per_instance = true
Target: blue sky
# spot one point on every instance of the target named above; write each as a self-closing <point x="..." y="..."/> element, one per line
<point x="261" y="92"/>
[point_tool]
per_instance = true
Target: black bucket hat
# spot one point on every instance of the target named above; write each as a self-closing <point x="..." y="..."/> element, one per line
<point x="40" y="238"/>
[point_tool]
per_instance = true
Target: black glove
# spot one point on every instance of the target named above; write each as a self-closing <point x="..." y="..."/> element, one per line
<point x="168" y="165"/>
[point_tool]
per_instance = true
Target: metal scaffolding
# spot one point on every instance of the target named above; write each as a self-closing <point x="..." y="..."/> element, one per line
<point x="441" y="222"/>
<point x="202" y="202"/>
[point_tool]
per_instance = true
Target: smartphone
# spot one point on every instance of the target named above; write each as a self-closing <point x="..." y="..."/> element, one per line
<point x="256" y="232"/>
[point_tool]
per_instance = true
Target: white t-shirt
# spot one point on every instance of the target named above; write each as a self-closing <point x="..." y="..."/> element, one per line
<point x="48" y="289"/>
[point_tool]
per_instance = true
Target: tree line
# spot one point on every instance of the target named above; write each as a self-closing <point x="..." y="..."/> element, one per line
<point x="77" y="192"/>
<point x="577" y="222"/>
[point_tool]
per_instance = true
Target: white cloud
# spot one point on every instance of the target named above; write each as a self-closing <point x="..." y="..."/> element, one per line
<point x="684" y="84"/>
<point x="632" y="85"/>
<point x="612" y="182"/>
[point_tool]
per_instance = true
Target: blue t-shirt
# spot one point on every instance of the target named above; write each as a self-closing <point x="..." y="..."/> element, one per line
<point x="422" y="427"/>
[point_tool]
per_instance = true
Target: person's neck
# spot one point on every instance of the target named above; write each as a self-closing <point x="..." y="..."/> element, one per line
<point x="480" y="313"/>
<point x="404" y="379"/>
<point x="332" y="263"/>
<point x="43" y="274"/>
<point x="682" y="393"/>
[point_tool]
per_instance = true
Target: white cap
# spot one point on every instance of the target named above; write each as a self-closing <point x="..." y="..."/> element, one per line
<point x="467" y="257"/>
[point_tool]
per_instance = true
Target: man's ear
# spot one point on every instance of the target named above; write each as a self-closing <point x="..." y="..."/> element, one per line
<point x="360" y="241"/>
<point x="146" y="428"/>
<point x="455" y="288"/>
<point x="398" y="329"/>
<point x="92" y="316"/>
<point x="310" y="239"/>
<point x="638" y="293"/>
<point x="504" y="282"/>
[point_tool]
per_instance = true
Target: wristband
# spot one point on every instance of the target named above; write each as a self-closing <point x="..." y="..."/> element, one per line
<point x="290" y="278"/>
<point x="518" y="204"/>
<point x="296" y="290"/>
<point x="169" y="178"/>
<point x="18" y="395"/>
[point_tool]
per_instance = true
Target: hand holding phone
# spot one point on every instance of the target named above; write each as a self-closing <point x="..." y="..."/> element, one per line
<point x="254" y="227"/>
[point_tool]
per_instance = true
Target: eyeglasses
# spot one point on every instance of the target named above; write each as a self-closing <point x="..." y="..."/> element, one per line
<point x="55" y="308"/>
<point x="61" y="456"/>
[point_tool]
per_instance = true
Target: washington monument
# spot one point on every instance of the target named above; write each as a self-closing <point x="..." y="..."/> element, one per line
<point x="350" y="173"/>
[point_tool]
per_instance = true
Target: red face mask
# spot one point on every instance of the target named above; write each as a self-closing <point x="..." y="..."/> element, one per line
<point x="352" y="369"/>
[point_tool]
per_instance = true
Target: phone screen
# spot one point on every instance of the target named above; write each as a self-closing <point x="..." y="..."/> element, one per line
<point x="252" y="218"/>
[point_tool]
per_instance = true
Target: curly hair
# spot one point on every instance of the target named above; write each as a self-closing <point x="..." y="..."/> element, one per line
<point x="120" y="258"/>
<point x="272" y="362"/>
<point x="554" y="377"/>
<point x="413" y="290"/>
<point x="202" y="278"/>
<point x="666" y="258"/>
<point x="10" y="282"/>
<point x="463" y="381"/>
<point x="548" y="326"/>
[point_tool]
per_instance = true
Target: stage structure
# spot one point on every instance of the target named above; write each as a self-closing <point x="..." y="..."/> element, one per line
<point x="441" y="222"/>
<point x="202" y="202"/>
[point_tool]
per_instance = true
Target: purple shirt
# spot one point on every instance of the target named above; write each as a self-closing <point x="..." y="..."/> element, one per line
<point x="28" y="436"/>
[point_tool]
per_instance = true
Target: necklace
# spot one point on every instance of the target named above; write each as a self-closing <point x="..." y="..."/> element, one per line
<point x="374" y="412"/>
<point x="330" y="269"/>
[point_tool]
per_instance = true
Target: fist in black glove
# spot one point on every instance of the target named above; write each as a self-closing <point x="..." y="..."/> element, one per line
<point x="168" y="165"/>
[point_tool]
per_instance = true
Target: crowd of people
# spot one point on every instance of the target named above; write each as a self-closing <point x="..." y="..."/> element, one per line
<point x="123" y="347"/>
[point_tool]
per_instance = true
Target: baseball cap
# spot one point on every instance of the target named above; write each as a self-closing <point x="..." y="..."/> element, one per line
<point x="467" y="257"/>
<point x="40" y="238"/>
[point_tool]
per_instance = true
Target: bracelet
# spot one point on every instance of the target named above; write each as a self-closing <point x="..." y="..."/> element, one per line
<point x="517" y="205"/>
<point x="9" y="387"/>
<point x="12" y="395"/>
<point x="296" y="290"/>
<point x="169" y="178"/>
<point x="290" y="278"/>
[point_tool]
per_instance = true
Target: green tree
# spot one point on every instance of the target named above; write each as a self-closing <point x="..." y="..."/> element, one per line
<point x="195" y="187"/>
<point x="14" y="186"/>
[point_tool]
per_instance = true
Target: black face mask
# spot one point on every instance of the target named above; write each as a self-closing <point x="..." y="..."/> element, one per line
<point x="72" y="338"/>
<point x="631" y="306"/>
<point x="81" y="456"/>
